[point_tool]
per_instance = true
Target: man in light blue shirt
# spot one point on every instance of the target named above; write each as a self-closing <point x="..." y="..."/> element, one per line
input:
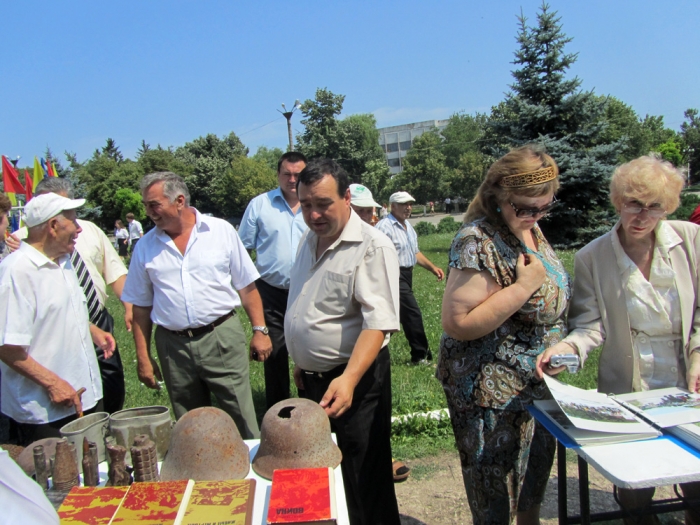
<point x="402" y="234"/>
<point x="272" y="226"/>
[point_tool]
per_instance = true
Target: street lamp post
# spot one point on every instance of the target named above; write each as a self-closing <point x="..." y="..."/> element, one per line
<point x="690" y="154"/>
<point x="288" y="116"/>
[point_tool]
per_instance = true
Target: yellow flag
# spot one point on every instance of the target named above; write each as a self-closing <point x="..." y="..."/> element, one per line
<point x="38" y="173"/>
<point x="13" y="198"/>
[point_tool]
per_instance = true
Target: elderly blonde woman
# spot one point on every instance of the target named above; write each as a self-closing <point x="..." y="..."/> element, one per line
<point x="504" y="304"/>
<point x="636" y="293"/>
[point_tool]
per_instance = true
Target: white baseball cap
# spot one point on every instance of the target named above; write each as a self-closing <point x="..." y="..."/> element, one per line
<point x="362" y="197"/>
<point x="44" y="207"/>
<point x="401" y="197"/>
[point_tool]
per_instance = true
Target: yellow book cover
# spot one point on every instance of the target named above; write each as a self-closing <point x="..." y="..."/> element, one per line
<point x="154" y="503"/>
<point x="214" y="502"/>
<point x="91" y="505"/>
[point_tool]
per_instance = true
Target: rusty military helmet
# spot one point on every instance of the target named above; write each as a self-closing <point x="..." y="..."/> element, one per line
<point x="295" y="433"/>
<point x="205" y="445"/>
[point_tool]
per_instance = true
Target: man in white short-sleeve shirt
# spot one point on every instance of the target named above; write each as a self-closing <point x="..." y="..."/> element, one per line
<point x="49" y="368"/>
<point x="187" y="276"/>
<point x="343" y="303"/>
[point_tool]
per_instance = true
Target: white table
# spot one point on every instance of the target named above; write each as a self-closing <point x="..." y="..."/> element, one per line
<point x="638" y="464"/>
<point x="262" y="488"/>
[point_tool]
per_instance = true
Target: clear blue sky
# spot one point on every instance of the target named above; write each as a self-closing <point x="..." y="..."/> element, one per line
<point x="78" y="72"/>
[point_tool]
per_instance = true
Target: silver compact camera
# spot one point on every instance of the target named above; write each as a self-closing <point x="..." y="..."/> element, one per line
<point x="570" y="361"/>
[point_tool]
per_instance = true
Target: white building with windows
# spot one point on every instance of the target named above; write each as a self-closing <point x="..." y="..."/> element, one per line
<point x="397" y="140"/>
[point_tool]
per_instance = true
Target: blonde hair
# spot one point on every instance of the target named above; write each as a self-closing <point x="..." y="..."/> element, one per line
<point x="647" y="179"/>
<point x="524" y="159"/>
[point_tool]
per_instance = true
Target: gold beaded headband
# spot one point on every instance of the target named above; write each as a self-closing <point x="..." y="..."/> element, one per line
<point x="532" y="178"/>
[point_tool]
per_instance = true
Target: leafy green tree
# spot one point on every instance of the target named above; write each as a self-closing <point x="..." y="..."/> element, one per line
<point x="424" y="169"/>
<point x="129" y="201"/>
<point x="111" y="151"/>
<point x="671" y="151"/>
<point x="353" y="141"/>
<point x="465" y="179"/>
<point x="208" y="157"/>
<point x="241" y="181"/>
<point x="152" y="160"/>
<point x="546" y="108"/>
<point x="690" y="134"/>
<point x="269" y="156"/>
<point x="463" y="134"/>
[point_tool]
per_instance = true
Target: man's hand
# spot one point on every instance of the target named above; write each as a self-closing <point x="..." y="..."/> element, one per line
<point x="62" y="393"/>
<point x="338" y="398"/>
<point x="128" y="315"/>
<point x="260" y="346"/>
<point x="103" y="340"/>
<point x="149" y="373"/>
<point x="693" y="375"/>
<point x="438" y="273"/>
<point x="12" y="242"/>
<point x="298" y="381"/>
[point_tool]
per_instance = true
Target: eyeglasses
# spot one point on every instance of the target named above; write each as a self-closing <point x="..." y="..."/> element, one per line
<point x="634" y="208"/>
<point x="523" y="213"/>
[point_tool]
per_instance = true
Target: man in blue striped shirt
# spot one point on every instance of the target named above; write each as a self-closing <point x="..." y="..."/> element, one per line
<point x="272" y="226"/>
<point x="405" y="239"/>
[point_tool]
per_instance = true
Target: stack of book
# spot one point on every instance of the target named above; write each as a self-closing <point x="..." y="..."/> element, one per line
<point x="185" y="502"/>
<point x="592" y="418"/>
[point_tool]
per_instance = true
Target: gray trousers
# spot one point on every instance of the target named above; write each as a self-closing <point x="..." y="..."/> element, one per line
<point x="212" y="363"/>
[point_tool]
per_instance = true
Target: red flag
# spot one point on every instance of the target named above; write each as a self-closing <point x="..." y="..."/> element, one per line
<point x="9" y="178"/>
<point x="28" y="183"/>
<point x="48" y="169"/>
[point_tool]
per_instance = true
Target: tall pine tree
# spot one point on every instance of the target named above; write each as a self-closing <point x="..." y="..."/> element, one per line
<point x="544" y="107"/>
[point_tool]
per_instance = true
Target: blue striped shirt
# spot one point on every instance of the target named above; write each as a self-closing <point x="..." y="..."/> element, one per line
<point x="405" y="239"/>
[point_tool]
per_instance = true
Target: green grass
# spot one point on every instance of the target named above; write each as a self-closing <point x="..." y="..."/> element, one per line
<point x="414" y="389"/>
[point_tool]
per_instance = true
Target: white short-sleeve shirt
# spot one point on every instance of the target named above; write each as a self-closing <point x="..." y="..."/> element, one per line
<point x="43" y="309"/>
<point x="194" y="289"/>
<point x="353" y="286"/>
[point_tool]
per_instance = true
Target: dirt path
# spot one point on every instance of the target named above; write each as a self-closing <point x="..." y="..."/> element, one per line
<point x="434" y="494"/>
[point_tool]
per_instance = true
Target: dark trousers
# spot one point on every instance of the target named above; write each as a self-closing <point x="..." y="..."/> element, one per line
<point x="411" y="317"/>
<point x="363" y="434"/>
<point x="277" y="364"/>
<point x="28" y="433"/>
<point x="111" y="370"/>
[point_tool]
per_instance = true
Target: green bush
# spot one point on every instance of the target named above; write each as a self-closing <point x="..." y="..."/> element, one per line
<point x="448" y="225"/>
<point x="425" y="228"/>
<point x="689" y="201"/>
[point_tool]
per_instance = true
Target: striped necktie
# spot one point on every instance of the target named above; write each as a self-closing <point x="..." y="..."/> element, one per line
<point x="93" y="303"/>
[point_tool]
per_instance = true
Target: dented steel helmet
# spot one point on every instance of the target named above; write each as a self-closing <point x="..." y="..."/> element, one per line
<point x="295" y="433"/>
<point x="205" y="445"/>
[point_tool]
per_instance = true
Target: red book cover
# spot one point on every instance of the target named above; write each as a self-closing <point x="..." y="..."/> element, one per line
<point x="154" y="503"/>
<point x="302" y="496"/>
<point x="91" y="505"/>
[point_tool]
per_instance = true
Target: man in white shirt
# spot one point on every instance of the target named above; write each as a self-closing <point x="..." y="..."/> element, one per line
<point x="135" y="230"/>
<point x="183" y="278"/>
<point x="343" y="303"/>
<point x="97" y="265"/>
<point x="48" y="360"/>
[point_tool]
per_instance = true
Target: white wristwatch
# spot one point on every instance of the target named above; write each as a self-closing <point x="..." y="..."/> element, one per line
<point x="262" y="329"/>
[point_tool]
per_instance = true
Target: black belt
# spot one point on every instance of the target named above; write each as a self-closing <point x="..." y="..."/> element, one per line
<point x="194" y="332"/>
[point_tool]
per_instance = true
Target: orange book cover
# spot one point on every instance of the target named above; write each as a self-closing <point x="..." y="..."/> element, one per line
<point x="302" y="496"/>
<point x="154" y="503"/>
<point x="213" y="502"/>
<point x="91" y="505"/>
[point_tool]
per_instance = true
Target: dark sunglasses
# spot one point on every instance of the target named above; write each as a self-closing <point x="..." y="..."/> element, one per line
<point x="523" y="213"/>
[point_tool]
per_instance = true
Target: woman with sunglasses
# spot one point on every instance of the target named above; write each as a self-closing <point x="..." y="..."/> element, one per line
<point x="636" y="293"/>
<point x="504" y="304"/>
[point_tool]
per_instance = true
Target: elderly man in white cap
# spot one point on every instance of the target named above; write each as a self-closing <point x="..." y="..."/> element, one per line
<point x="405" y="239"/>
<point x="46" y="341"/>
<point x="362" y="202"/>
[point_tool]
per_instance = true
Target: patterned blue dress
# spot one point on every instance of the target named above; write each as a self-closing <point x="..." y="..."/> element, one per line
<point x="488" y="382"/>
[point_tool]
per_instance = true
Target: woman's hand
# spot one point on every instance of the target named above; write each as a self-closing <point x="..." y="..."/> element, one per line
<point x="542" y="366"/>
<point x="529" y="272"/>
